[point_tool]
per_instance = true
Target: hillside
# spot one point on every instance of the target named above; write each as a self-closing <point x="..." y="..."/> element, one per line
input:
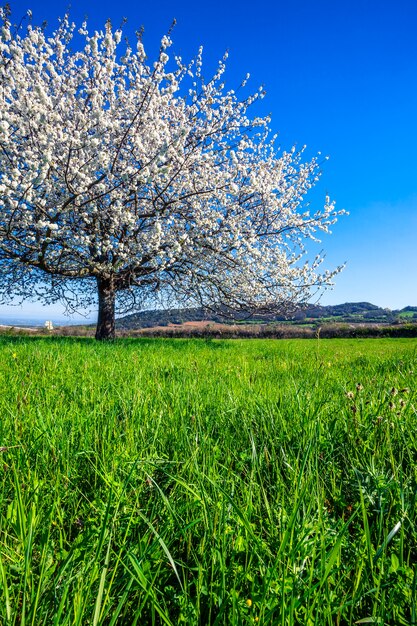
<point x="350" y="312"/>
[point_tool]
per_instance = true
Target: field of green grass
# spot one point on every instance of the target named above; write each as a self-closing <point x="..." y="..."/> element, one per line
<point x="156" y="481"/>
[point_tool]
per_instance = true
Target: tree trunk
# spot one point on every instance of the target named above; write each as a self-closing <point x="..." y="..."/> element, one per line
<point x="106" y="309"/>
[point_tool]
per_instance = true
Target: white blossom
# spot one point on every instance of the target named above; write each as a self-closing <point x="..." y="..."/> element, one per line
<point x="121" y="173"/>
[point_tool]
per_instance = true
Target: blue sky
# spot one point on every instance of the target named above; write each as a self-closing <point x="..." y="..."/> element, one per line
<point x="340" y="77"/>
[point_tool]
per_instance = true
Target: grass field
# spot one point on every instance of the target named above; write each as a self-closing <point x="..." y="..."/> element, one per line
<point x="208" y="482"/>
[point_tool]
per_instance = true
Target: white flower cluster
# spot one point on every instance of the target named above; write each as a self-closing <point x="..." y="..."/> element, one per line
<point x="145" y="173"/>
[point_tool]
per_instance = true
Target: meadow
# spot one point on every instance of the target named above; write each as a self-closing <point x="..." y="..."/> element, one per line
<point x="207" y="482"/>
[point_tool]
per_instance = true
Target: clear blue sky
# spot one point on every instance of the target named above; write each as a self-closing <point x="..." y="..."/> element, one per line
<point x="341" y="77"/>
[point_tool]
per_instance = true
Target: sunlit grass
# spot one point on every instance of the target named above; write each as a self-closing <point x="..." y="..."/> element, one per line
<point x="207" y="482"/>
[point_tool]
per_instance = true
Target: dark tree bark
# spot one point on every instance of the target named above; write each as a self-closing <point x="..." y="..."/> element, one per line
<point x="106" y="325"/>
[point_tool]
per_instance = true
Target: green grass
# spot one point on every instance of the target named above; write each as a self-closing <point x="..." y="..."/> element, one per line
<point x="156" y="481"/>
<point x="407" y="314"/>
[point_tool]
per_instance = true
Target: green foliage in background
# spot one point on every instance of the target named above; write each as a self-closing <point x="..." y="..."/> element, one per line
<point x="155" y="481"/>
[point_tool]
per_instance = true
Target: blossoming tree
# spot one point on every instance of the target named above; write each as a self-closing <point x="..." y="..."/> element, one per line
<point x="121" y="180"/>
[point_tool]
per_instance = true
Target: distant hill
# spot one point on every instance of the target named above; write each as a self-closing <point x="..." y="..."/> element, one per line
<point x="350" y="312"/>
<point x="161" y="317"/>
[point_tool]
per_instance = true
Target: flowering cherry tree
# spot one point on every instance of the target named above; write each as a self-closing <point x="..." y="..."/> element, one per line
<point x="121" y="180"/>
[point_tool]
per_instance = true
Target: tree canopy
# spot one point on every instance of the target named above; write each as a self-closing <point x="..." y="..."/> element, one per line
<point x="123" y="180"/>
